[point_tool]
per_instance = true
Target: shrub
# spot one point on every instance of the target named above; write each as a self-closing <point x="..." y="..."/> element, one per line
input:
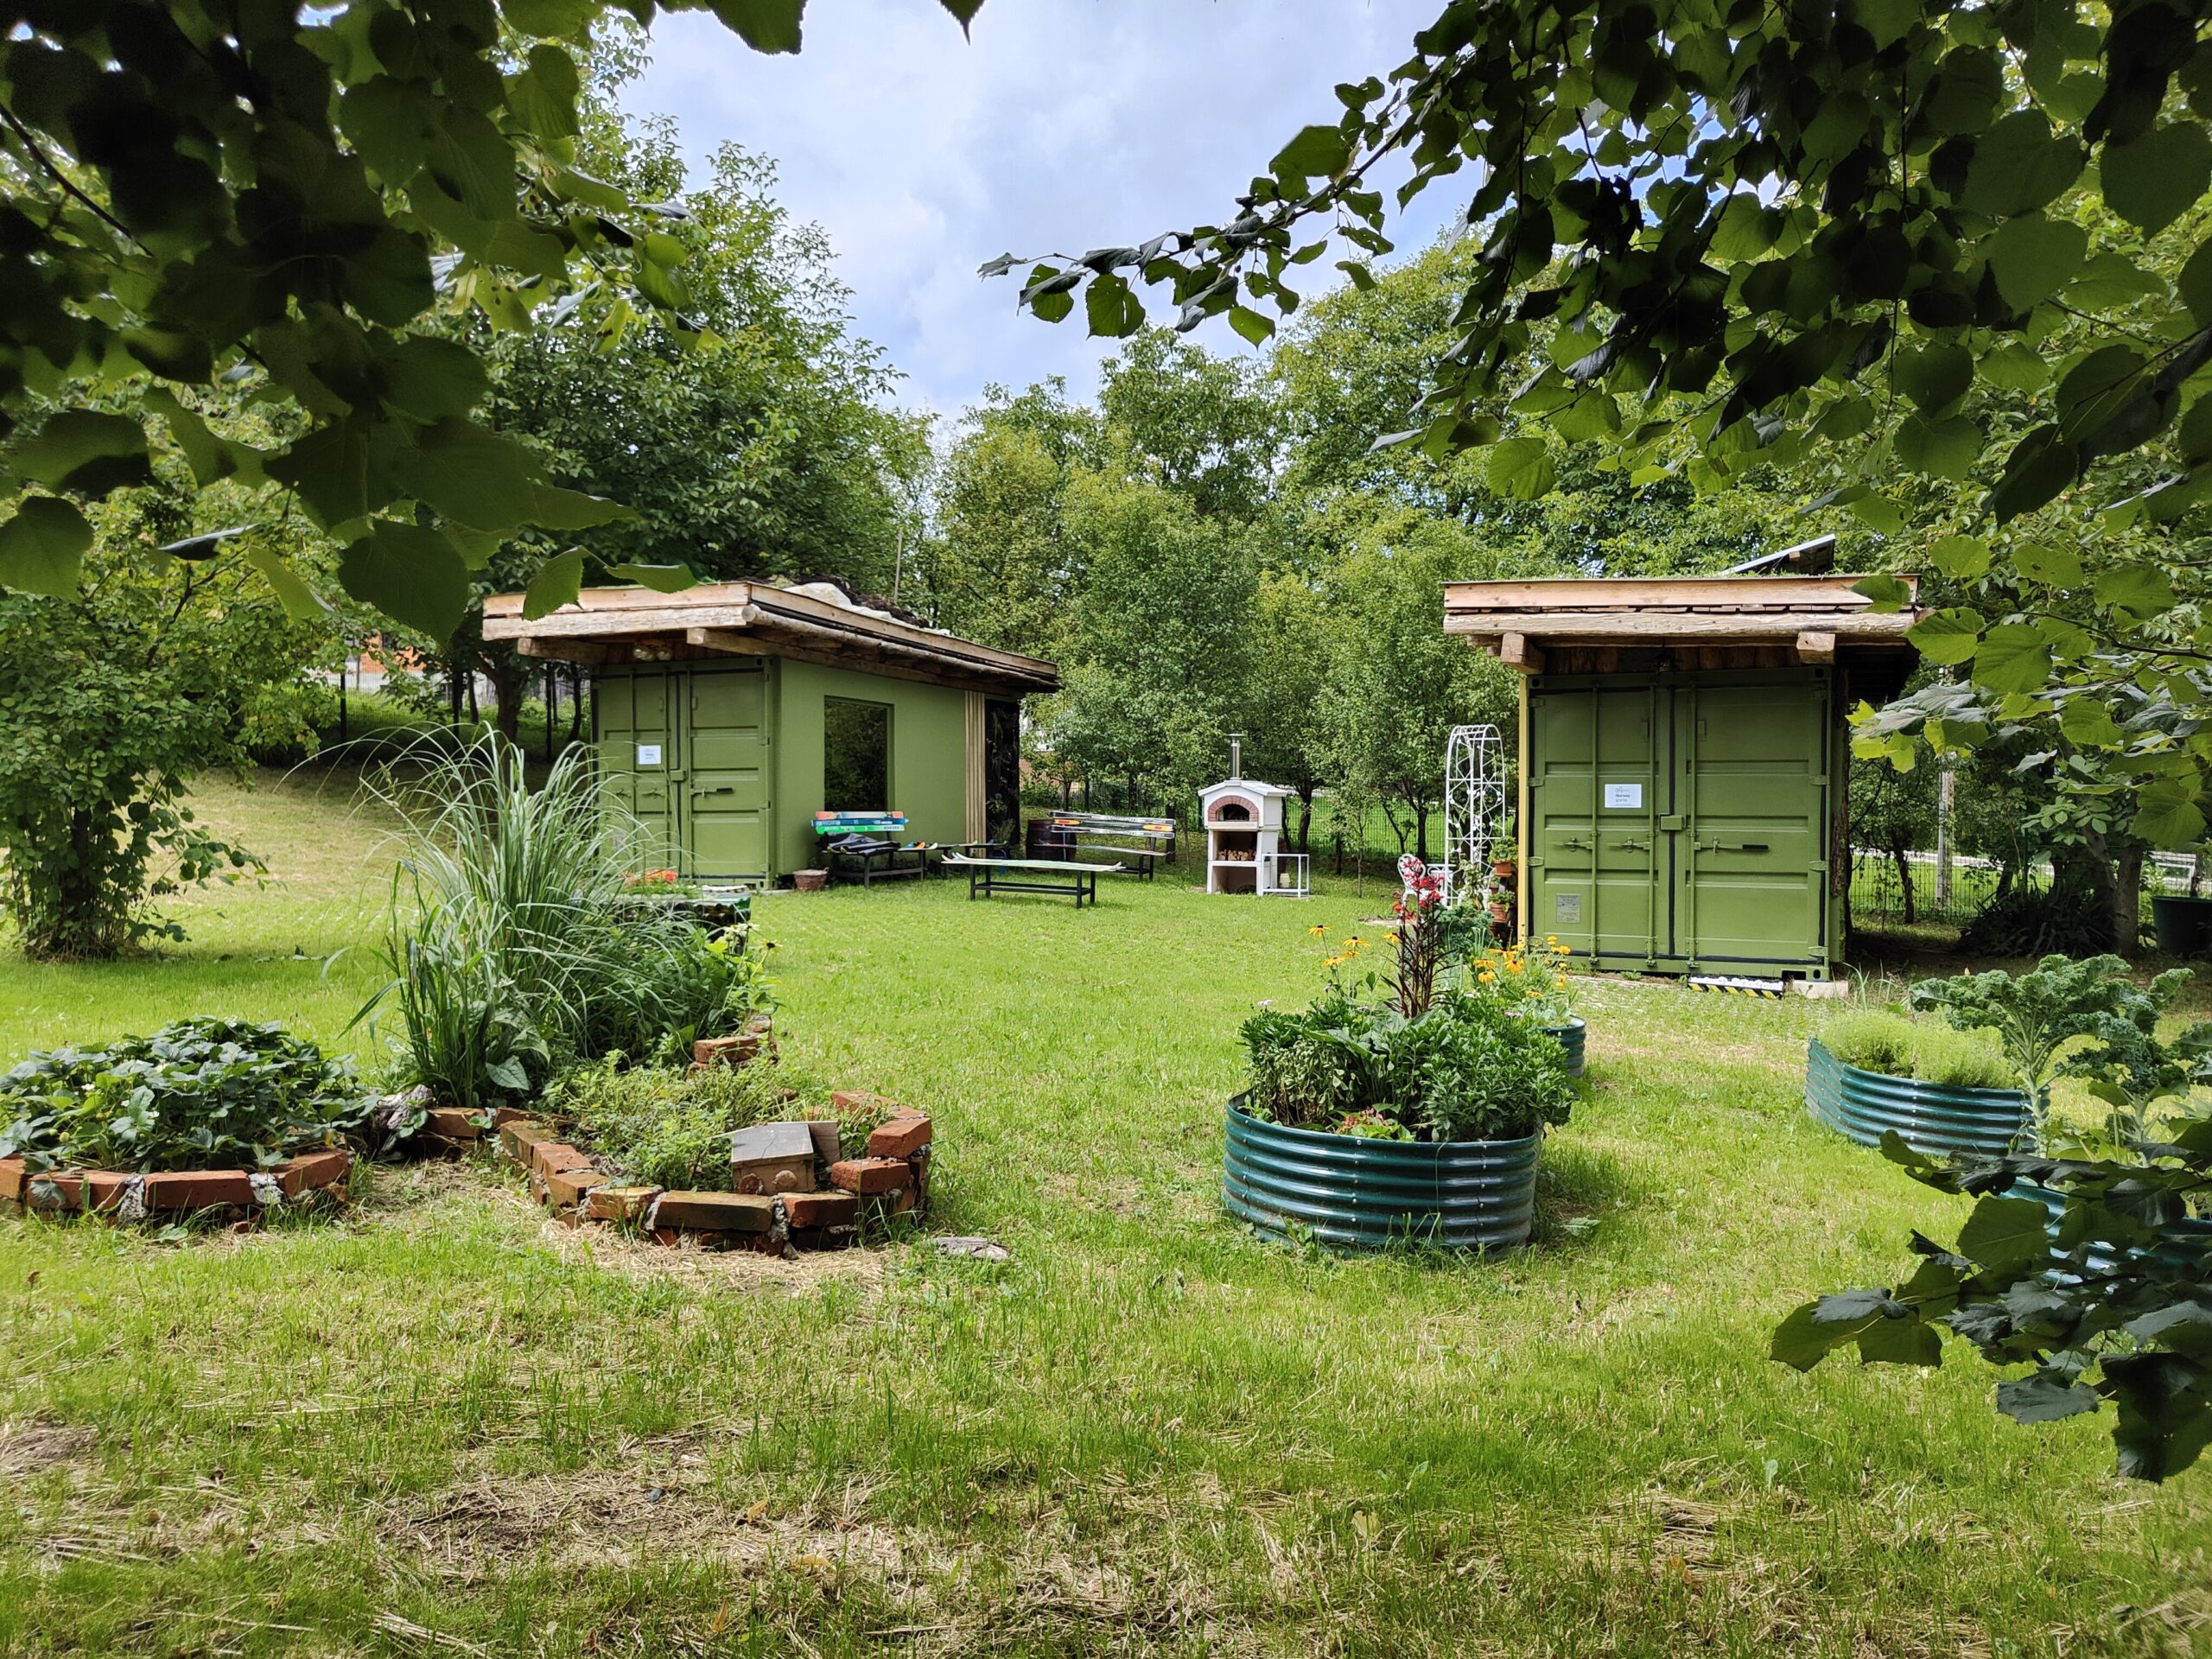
<point x="202" y="1092"/>
<point x="670" y="1126"/>
<point x="1961" y="1060"/>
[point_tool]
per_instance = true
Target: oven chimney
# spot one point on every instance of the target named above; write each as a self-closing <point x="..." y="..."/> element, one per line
<point x="1236" y="755"/>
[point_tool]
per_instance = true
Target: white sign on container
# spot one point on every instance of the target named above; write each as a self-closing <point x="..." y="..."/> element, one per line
<point x="649" y="754"/>
<point x="1627" y="795"/>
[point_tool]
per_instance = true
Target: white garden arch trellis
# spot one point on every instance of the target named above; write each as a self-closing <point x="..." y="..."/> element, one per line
<point x="1474" y="801"/>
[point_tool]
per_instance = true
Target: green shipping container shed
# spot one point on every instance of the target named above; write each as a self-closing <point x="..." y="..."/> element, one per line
<point x="1683" y="747"/>
<point x="727" y="715"/>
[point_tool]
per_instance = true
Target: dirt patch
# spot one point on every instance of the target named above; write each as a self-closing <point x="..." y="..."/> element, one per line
<point x="33" y="1447"/>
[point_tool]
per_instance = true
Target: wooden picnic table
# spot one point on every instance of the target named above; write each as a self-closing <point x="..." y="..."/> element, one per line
<point x="984" y="877"/>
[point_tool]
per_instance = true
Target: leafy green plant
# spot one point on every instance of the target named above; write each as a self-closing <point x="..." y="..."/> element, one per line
<point x="1466" y="1070"/>
<point x="1876" y="1040"/>
<point x="1872" y="1041"/>
<point x="2109" y="1298"/>
<point x="202" y="1091"/>
<point x="670" y="1126"/>
<point x="2034" y="1014"/>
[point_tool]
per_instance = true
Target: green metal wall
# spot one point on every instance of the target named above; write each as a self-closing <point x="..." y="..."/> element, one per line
<point x="723" y="762"/>
<point x="1683" y="822"/>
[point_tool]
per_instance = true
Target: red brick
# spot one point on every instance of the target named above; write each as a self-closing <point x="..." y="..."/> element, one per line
<point x="14" y="1176"/>
<point x="727" y="1050"/>
<point x="820" y="1209"/>
<point x="452" y="1123"/>
<point x="197" y="1188"/>
<point x="870" y="1175"/>
<point x="503" y="1115"/>
<point x="859" y="1100"/>
<point x="896" y="1202"/>
<point x="519" y="1135"/>
<point x="552" y="1157"/>
<point x="731" y="1212"/>
<point x="312" y="1171"/>
<point x="619" y="1203"/>
<point x="566" y="1186"/>
<point x="906" y="1133"/>
<point x="665" y="1236"/>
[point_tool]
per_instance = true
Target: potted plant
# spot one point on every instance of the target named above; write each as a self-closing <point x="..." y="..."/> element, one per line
<point x="1369" y="1119"/>
<point x="1943" y="1090"/>
<point x="2182" y="923"/>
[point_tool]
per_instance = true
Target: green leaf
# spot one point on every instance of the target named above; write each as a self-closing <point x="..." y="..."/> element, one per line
<point x="208" y="457"/>
<point x="1111" y="308"/>
<point x="553" y="508"/>
<point x="411" y="574"/>
<point x="557" y="583"/>
<point x="428" y="378"/>
<point x="1946" y="637"/>
<point x="2044" y="1398"/>
<point x="661" y="578"/>
<point x="2032" y="257"/>
<point x="467" y="472"/>
<point x="1938" y="448"/>
<point x="1593" y="415"/>
<point x="1879" y="514"/>
<point x="2088" y="724"/>
<point x="2012" y="656"/>
<point x="86" y="452"/>
<point x="1934" y="377"/>
<point x="2053" y="567"/>
<point x="550" y="19"/>
<point x="2153" y="181"/>
<point x="1899" y="1342"/>
<point x="2013" y="367"/>
<point x="1883" y="592"/>
<point x="1521" y="469"/>
<point x="298" y="600"/>
<point x="1253" y="325"/>
<point x="1962" y="558"/>
<point x="389" y="123"/>
<point x="2195" y="284"/>
<point x="764" y="25"/>
<point x="2169" y="814"/>
<point x="2040" y="469"/>
<point x="2140" y="588"/>
<point x="42" y="545"/>
<point x="2018" y="166"/>
<point x="1317" y="152"/>
<point x="2006" y="1235"/>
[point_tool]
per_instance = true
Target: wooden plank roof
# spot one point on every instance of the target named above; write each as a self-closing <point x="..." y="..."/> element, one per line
<point x="1816" y="617"/>
<point x="614" y="625"/>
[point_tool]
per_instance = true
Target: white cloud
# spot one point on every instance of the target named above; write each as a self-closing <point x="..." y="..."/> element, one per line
<point x="1063" y="124"/>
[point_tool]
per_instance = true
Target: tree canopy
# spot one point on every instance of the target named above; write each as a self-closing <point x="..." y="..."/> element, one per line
<point x="281" y="198"/>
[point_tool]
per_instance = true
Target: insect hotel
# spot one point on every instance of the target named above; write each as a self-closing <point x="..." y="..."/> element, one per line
<point x="1244" y="823"/>
<point x="1683" y="751"/>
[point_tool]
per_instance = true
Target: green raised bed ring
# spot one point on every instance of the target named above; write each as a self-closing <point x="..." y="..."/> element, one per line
<point x="1931" y="1117"/>
<point x="1360" y="1194"/>
<point x="1570" y="1037"/>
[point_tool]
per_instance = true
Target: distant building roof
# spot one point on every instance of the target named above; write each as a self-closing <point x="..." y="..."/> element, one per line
<point x="811" y="622"/>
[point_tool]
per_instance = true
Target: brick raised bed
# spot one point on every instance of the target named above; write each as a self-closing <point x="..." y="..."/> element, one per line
<point x="127" y="1195"/>
<point x="818" y="1204"/>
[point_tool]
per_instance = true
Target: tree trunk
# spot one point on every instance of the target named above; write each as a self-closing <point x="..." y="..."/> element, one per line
<point x="1905" y="881"/>
<point x="2117" y="884"/>
<point x="1305" y="818"/>
<point x="1421" y="832"/>
<point x="504" y="669"/>
<point x="576" y="705"/>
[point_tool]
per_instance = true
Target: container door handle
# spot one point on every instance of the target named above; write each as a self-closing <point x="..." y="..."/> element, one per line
<point x="1717" y="846"/>
<point x="1637" y="845"/>
<point x="1576" y="841"/>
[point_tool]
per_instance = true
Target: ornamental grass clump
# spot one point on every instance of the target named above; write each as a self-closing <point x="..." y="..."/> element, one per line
<point x="199" y="1094"/>
<point x="516" y="944"/>
<point x="1894" y="1047"/>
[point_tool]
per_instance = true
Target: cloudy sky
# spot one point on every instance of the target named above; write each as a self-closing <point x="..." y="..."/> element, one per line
<point x="1061" y="124"/>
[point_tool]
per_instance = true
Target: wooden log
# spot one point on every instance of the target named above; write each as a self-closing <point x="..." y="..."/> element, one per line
<point x="1816" y="646"/>
<point x="1515" y="651"/>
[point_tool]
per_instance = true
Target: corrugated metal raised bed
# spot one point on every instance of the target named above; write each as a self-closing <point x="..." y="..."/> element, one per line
<point x="1363" y="1194"/>
<point x="1931" y="1117"/>
<point x="1570" y="1037"/>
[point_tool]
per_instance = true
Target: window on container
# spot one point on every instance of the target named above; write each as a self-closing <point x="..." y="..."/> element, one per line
<point x="856" y="756"/>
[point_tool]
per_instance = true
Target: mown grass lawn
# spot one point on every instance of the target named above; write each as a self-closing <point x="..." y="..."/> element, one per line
<point x="447" y="1427"/>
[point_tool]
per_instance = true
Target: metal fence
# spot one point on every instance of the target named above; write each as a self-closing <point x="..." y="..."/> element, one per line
<point x="1877" y="891"/>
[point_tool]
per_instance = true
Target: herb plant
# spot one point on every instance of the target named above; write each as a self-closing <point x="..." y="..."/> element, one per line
<point x="202" y="1092"/>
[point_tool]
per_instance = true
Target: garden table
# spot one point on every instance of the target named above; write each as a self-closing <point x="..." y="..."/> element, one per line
<point x="985" y="877"/>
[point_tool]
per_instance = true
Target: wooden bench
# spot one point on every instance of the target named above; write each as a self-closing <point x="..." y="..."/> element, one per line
<point x="1062" y="835"/>
<point x="985" y="877"/>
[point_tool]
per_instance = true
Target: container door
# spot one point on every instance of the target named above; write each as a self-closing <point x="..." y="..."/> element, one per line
<point x="636" y="751"/>
<point x="1754" y="785"/>
<point x="1594" y="802"/>
<point x="726" y="773"/>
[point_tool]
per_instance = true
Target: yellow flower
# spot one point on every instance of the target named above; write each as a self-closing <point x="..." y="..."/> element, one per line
<point x="1486" y="976"/>
<point x="1355" y="941"/>
<point x="1513" y="967"/>
<point x="1532" y="993"/>
<point x="1320" y="930"/>
<point x="1561" y="981"/>
<point x="1551" y="938"/>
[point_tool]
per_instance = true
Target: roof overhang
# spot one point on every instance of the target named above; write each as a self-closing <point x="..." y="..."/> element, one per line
<point x="1817" y="618"/>
<point x="608" y="626"/>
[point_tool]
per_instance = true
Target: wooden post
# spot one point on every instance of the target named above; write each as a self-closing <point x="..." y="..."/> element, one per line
<point x="1816" y="646"/>
<point x="1518" y="651"/>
